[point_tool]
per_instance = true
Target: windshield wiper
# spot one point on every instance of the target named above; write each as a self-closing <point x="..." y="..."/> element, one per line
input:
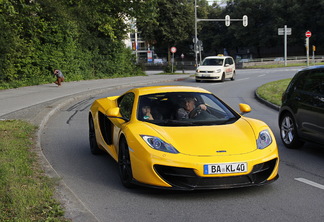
<point x="230" y="120"/>
<point x="170" y="122"/>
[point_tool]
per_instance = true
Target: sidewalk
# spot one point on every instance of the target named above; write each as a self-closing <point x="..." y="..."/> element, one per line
<point x="12" y="100"/>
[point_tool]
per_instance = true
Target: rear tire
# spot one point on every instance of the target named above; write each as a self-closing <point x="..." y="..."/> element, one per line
<point x="288" y="132"/>
<point x="124" y="165"/>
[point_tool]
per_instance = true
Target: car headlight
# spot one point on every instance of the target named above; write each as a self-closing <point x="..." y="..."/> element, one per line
<point x="158" y="144"/>
<point x="218" y="70"/>
<point x="264" y="139"/>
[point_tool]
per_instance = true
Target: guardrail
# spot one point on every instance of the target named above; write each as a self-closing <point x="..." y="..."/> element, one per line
<point x="243" y="63"/>
<point x="279" y="60"/>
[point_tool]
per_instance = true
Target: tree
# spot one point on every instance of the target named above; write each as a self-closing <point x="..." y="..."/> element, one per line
<point x="265" y="17"/>
<point x="82" y="38"/>
<point x="173" y="24"/>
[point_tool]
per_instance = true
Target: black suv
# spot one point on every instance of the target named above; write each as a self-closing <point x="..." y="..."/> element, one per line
<point x="301" y="116"/>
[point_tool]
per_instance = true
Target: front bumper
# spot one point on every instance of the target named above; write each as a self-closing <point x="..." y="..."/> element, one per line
<point x="187" y="179"/>
<point x="186" y="173"/>
<point x="209" y="76"/>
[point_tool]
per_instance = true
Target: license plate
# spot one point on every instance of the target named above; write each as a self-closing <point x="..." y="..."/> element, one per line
<point x="205" y="75"/>
<point x="225" y="168"/>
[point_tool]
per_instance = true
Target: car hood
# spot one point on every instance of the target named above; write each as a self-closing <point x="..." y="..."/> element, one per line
<point x="209" y="67"/>
<point x="230" y="139"/>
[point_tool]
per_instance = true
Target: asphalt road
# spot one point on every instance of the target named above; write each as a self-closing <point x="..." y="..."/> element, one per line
<point x="298" y="195"/>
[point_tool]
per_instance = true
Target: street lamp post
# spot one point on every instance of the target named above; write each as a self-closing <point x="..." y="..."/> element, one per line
<point x="227" y="21"/>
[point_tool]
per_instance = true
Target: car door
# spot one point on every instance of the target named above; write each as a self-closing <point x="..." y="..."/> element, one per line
<point x="229" y="66"/>
<point x="310" y="113"/>
<point x="125" y="104"/>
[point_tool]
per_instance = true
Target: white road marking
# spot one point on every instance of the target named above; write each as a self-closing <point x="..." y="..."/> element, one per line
<point x="261" y="75"/>
<point x="309" y="182"/>
<point x="242" y="79"/>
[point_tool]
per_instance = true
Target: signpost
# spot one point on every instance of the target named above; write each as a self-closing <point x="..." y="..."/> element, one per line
<point x="173" y="50"/>
<point x="308" y="34"/>
<point x="285" y="31"/>
<point x="182" y="56"/>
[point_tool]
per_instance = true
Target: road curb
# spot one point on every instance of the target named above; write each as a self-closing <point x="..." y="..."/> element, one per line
<point x="267" y="103"/>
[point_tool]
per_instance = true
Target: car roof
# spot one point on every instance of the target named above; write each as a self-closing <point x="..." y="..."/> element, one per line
<point x="165" y="89"/>
<point x="217" y="57"/>
<point x="313" y="67"/>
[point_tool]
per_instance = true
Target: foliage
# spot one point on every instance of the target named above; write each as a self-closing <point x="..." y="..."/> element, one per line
<point x="173" y="25"/>
<point x="84" y="39"/>
<point x="260" y="37"/>
<point x="168" y="68"/>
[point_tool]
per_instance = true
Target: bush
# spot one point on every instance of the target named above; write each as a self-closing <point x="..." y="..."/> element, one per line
<point x="168" y="68"/>
<point x="40" y="36"/>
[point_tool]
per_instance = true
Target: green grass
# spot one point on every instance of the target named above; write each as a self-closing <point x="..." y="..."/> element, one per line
<point x="272" y="91"/>
<point x="26" y="194"/>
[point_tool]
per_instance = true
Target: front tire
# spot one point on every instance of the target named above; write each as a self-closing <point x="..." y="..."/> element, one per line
<point x="124" y="165"/>
<point x="288" y="132"/>
<point x="223" y="77"/>
<point x="233" y="76"/>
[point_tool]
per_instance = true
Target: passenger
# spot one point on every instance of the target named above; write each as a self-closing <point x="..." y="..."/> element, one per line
<point x="146" y="111"/>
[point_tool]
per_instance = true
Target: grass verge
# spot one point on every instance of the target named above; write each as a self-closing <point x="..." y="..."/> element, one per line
<point x="26" y="194"/>
<point x="272" y="91"/>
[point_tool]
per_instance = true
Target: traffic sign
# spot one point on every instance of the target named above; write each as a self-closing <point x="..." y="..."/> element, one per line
<point x="227" y="20"/>
<point x="281" y="31"/>
<point x="245" y="20"/>
<point x="173" y="49"/>
<point x="308" y="34"/>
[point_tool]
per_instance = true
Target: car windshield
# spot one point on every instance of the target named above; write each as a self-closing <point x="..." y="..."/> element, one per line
<point x="184" y="109"/>
<point x="213" y="62"/>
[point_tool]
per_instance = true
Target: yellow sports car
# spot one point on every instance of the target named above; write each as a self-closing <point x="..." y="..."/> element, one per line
<point x="185" y="138"/>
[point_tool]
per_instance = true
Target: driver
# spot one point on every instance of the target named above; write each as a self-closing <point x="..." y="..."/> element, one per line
<point x="185" y="112"/>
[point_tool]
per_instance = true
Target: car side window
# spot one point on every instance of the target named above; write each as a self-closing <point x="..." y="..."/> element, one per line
<point x="125" y="103"/>
<point x="314" y="82"/>
<point x="300" y="82"/>
<point x="229" y="61"/>
<point x="311" y="82"/>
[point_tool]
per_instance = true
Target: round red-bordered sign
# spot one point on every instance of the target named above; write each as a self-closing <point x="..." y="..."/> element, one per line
<point x="173" y="49"/>
<point x="308" y="34"/>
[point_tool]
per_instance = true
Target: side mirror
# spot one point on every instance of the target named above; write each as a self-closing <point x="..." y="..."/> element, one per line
<point x="244" y="108"/>
<point x="113" y="112"/>
<point x="226" y="65"/>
